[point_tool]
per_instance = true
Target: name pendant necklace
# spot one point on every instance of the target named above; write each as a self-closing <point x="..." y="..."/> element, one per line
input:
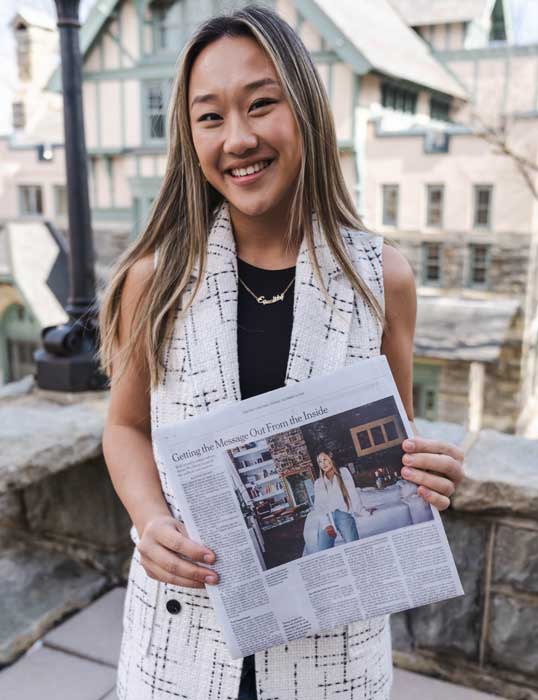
<point x="262" y="300"/>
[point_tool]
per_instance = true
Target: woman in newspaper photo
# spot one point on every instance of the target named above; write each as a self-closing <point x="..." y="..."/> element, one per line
<point x="253" y="271"/>
<point x="337" y="502"/>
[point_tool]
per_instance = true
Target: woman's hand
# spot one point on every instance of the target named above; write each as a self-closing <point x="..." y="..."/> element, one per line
<point x="422" y="457"/>
<point x="168" y="555"/>
<point x="330" y="531"/>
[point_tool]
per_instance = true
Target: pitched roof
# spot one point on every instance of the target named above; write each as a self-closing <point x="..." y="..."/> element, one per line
<point x="91" y="27"/>
<point x="379" y="39"/>
<point x="463" y="329"/>
<point x="421" y="12"/>
<point x="34" y="18"/>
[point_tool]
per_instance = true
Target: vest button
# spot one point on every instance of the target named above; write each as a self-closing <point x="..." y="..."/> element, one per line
<point x="173" y="606"/>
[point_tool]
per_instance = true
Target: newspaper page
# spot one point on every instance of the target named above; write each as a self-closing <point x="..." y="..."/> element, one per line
<point x="299" y="493"/>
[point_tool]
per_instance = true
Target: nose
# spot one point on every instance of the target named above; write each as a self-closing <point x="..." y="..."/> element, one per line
<point x="240" y="137"/>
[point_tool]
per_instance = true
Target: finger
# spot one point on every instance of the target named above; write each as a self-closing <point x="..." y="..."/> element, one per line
<point x="419" y="444"/>
<point x="438" y="500"/>
<point x="178" y="541"/>
<point x="156" y="572"/>
<point x="434" y="462"/>
<point x="177" y="566"/>
<point x="429" y="481"/>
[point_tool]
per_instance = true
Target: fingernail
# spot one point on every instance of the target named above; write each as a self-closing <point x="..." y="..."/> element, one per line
<point x="425" y="491"/>
<point x="210" y="579"/>
<point x="407" y="472"/>
<point x="409" y="445"/>
<point x="209" y="557"/>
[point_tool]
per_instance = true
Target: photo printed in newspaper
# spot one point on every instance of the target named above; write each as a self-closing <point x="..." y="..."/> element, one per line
<point x="299" y="493"/>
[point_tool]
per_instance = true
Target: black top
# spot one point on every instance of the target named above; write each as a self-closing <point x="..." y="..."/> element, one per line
<point x="263" y="331"/>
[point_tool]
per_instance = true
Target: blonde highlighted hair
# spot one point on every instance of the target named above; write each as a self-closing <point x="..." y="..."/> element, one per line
<point x="181" y="215"/>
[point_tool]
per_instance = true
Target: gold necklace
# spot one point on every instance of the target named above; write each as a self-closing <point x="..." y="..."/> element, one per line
<point x="262" y="299"/>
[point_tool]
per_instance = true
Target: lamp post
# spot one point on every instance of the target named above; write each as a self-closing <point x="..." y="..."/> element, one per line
<point x="67" y="361"/>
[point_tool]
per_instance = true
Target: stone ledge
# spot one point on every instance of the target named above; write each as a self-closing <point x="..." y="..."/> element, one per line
<point x="40" y="435"/>
<point x="501" y="476"/>
<point x="39" y="587"/>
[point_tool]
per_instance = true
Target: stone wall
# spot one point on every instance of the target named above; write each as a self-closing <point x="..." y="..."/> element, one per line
<point x="488" y="638"/>
<point x="62" y="523"/>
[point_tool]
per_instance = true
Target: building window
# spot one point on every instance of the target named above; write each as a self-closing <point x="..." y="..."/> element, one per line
<point x="498" y="29"/>
<point x="390" y="205"/>
<point x="479" y="255"/>
<point x="482" y="205"/>
<point x="398" y="98"/>
<point x="439" y="109"/>
<point x="157" y="93"/>
<point x="431" y="263"/>
<point x="155" y="109"/>
<point x="60" y="200"/>
<point x="426" y="390"/>
<point x="30" y="200"/>
<point x="434" y="212"/>
<point x="20" y="358"/>
<point x="18" y="115"/>
<point x="169" y="25"/>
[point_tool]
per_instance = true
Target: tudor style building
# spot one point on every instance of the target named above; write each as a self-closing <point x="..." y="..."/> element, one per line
<point x="406" y="81"/>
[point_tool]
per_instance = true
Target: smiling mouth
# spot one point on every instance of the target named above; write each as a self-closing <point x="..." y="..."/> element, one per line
<point x="239" y="173"/>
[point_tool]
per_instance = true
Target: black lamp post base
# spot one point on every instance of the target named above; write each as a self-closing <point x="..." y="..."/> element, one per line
<point x="75" y="373"/>
<point x="68" y="360"/>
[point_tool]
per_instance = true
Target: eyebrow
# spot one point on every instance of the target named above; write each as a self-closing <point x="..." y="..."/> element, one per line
<point x="250" y="87"/>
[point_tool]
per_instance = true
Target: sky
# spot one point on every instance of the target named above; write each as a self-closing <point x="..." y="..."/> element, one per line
<point x="524" y="15"/>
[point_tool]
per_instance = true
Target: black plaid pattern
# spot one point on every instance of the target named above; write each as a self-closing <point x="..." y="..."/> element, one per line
<point x="164" y="655"/>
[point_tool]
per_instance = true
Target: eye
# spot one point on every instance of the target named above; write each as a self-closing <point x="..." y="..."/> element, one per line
<point x="262" y="103"/>
<point x="204" y="117"/>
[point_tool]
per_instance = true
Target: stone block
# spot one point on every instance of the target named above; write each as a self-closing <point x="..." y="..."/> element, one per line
<point x="79" y="504"/>
<point x="515" y="560"/>
<point x="400" y="627"/>
<point x="37" y="588"/>
<point x="41" y="436"/>
<point x="94" y="633"/>
<point x="512" y="634"/>
<point x="501" y="476"/>
<point x="11" y="510"/>
<point x="454" y="625"/>
<point x="50" y="674"/>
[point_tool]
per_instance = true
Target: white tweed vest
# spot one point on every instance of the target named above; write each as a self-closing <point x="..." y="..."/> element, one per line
<point x="165" y="655"/>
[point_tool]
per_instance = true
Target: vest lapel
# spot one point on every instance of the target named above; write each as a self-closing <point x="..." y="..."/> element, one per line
<point x="321" y="327"/>
<point x="211" y="327"/>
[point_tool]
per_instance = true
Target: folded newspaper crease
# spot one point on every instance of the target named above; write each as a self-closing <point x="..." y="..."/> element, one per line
<point x="299" y="493"/>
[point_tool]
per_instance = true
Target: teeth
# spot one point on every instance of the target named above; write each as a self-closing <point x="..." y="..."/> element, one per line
<point x="241" y="172"/>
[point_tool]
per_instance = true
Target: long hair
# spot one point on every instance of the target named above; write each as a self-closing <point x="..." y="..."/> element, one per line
<point x="182" y="213"/>
<point x="338" y="475"/>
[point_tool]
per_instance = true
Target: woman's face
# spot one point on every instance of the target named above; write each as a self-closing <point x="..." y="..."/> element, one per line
<point x="325" y="462"/>
<point x="244" y="131"/>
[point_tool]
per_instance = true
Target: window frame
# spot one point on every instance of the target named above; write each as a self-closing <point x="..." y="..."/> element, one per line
<point x="401" y="98"/>
<point x="165" y="85"/>
<point x="472" y="265"/>
<point x="429" y="189"/>
<point x="57" y="188"/>
<point x="384" y="192"/>
<point x="425" y="247"/>
<point x="476" y="190"/>
<point x="35" y="189"/>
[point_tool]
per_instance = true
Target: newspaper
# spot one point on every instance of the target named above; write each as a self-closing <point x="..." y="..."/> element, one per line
<point x="299" y="493"/>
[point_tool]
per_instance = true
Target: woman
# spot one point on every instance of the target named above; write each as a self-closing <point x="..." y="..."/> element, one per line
<point x="336" y="498"/>
<point x="253" y="271"/>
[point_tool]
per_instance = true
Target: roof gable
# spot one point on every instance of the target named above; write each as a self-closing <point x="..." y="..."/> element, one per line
<point x="370" y="35"/>
<point x="89" y="32"/>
